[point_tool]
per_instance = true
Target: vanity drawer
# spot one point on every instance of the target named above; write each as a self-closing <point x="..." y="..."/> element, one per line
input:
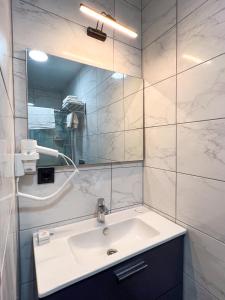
<point x="147" y="276"/>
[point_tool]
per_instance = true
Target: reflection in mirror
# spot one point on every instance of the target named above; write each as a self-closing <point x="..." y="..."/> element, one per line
<point x="90" y="114"/>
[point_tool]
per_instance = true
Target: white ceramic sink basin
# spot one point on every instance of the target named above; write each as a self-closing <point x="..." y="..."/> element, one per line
<point x="79" y="250"/>
<point x="119" y="237"/>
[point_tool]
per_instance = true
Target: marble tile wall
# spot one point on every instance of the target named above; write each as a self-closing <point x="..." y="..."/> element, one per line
<point x="184" y="178"/>
<point x="114" y="108"/>
<point x="8" y="207"/>
<point x="58" y="28"/>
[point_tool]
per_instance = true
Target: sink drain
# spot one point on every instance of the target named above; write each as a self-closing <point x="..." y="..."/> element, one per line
<point x="111" y="251"/>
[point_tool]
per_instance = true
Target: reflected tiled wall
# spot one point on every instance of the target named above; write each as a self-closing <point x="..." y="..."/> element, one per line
<point x="112" y="128"/>
<point x="183" y="65"/>
<point x="59" y="29"/>
<point x="8" y="207"/>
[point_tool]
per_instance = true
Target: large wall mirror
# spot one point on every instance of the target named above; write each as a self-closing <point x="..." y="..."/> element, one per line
<point x="90" y="114"/>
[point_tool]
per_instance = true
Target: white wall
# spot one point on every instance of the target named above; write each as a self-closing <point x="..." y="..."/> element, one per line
<point x="8" y="212"/>
<point x="58" y="28"/>
<point x="183" y="64"/>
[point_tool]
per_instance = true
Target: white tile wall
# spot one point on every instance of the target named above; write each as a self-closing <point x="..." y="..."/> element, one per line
<point x="57" y="31"/>
<point x="193" y="290"/>
<point x="201" y="148"/>
<point x="198" y="196"/>
<point x="69" y="10"/>
<point x="186" y="7"/>
<point x="126" y="192"/>
<point x="133" y="109"/>
<point x="19" y="73"/>
<point x="200" y="92"/>
<point x="160" y="147"/>
<point x="127" y="59"/>
<point x="134" y="144"/>
<point x="136" y="3"/>
<point x="61" y="30"/>
<point x="198" y="32"/>
<point x="204" y="260"/>
<point x="111" y="146"/>
<point x="8" y="212"/>
<point x="160" y="103"/>
<point x="132" y="20"/>
<point x="6" y="48"/>
<point x="21" y="131"/>
<point x="109" y="91"/>
<point x="159" y="190"/>
<point x="161" y="56"/>
<point x="79" y="199"/>
<point x="132" y="85"/>
<point x="111" y="118"/>
<point x="189" y="95"/>
<point x="158" y="16"/>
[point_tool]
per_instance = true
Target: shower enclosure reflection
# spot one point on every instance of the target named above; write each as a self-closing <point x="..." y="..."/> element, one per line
<point x="90" y="114"/>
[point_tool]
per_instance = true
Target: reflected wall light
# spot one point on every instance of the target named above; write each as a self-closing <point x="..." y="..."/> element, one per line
<point x="38" y="55"/>
<point x="117" y="75"/>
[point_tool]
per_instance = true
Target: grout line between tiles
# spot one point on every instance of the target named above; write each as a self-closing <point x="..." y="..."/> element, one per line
<point x="187" y="122"/>
<point x="175" y="25"/>
<point x="187" y="174"/>
<point x="58" y="223"/>
<point x="139" y="8"/>
<point x="6" y="91"/>
<point x="159" y="37"/>
<point x="193" y="11"/>
<point x="161" y="169"/>
<point x="200" y="285"/>
<point x="183" y="71"/>
<point x="6" y="237"/>
<point x="160" y="211"/>
<point x="156" y="39"/>
<point x="201" y="231"/>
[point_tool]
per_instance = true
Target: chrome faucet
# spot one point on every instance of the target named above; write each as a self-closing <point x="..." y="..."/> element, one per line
<point x="102" y="210"/>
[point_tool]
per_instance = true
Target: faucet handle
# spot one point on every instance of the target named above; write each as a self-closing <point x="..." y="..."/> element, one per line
<point x="101" y="201"/>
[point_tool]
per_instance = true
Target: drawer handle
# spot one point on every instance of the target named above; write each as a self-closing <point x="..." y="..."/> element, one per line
<point x="129" y="270"/>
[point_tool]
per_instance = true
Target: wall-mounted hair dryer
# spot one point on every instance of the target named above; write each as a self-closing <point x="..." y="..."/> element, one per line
<point x="25" y="163"/>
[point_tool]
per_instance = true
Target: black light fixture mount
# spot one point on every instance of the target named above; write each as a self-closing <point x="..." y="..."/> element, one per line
<point x="107" y="19"/>
<point x="97" y="33"/>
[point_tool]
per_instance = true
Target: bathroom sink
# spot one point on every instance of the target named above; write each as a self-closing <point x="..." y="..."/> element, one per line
<point x="82" y="249"/>
<point x="112" y="240"/>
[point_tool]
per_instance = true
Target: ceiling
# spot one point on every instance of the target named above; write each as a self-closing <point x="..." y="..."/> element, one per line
<point x="54" y="74"/>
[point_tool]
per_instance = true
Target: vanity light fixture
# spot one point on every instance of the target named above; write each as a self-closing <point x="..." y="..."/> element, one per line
<point x="105" y="19"/>
<point x="38" y="55"/>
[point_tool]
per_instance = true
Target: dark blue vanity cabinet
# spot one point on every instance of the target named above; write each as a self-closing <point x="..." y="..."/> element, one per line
<point x="154" y="274"/>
